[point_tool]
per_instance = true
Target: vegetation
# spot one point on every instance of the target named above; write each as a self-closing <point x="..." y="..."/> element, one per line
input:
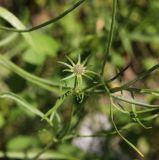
<point x="81" y="85"/>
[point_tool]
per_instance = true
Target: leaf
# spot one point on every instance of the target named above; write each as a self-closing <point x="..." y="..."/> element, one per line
<point x="29" y="56"/>
<point x="36" y="56"/>
<point x="45" y="45"/>
<point x="20" y="143"/>
<point x="150" y="91"/>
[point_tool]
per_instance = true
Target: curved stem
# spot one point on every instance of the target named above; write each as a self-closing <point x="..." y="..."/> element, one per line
<point x="45" y="23"/>
<point x="41" y="82"/>
<point x="110" y="35"/>
<point x="119" y="133"/>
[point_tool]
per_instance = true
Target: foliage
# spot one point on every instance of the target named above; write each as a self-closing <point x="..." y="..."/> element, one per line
<point x="43" y="108"/>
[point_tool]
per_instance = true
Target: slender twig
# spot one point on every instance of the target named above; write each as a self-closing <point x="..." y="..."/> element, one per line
<point x="45" y="149"/>
<point x="47" y="22"/>
<point x="119" y="74"/>
<point x="110" y="35"/>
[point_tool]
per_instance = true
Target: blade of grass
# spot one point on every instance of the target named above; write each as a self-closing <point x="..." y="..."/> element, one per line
<point x="8" y="39"/>
<point x="78" y="3"/>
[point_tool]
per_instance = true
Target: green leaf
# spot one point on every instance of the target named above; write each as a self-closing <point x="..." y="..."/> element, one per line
<point x="20" y="143"/>
<point x="29" y="56"/>
<point x="45" y="45"/>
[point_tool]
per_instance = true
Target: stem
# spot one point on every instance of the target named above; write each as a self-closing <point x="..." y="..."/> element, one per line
<point x="110" y="35"/>
<point x="47" y="22"/>
<point x="44" y="150"/>
<point x="119" y="133"/>
<point x="45" y="84"/>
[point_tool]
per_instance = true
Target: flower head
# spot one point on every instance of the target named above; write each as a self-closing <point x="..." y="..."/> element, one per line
<point x="78" y="69"/>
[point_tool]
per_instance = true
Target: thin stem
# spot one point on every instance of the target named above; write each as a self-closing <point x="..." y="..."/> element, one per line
<point x="110" y="35"/>
<point x="119" y="133"/>
<point x="44" y="150"/>
<point x="131" y="101"/>
<point x="47" y="22"/>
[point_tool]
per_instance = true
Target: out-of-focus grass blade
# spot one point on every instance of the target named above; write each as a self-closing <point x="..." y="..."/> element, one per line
<point x="8" y="39"/>
<point x="126" y="41"/>
<point x="22" y="102"/>
<point x="144" y="38"/>
<point x="15" y="22"/>
<point x="46" y="84"/>
<point x="52" y="155"/>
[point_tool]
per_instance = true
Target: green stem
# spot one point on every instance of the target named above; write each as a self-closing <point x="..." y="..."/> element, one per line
<point x="119" y="133"/>
<point x="44" y="150"/>
<point x="47" y="22"/>
<point x="131" y="101"/>
<point x="46" y="84"/>
<point x="110" y="35"/>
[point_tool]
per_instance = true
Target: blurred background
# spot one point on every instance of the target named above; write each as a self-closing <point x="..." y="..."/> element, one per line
<point x="85" y="31"/>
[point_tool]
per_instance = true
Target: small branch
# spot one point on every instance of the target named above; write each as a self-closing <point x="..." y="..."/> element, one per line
<point x="47" y="22"/>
